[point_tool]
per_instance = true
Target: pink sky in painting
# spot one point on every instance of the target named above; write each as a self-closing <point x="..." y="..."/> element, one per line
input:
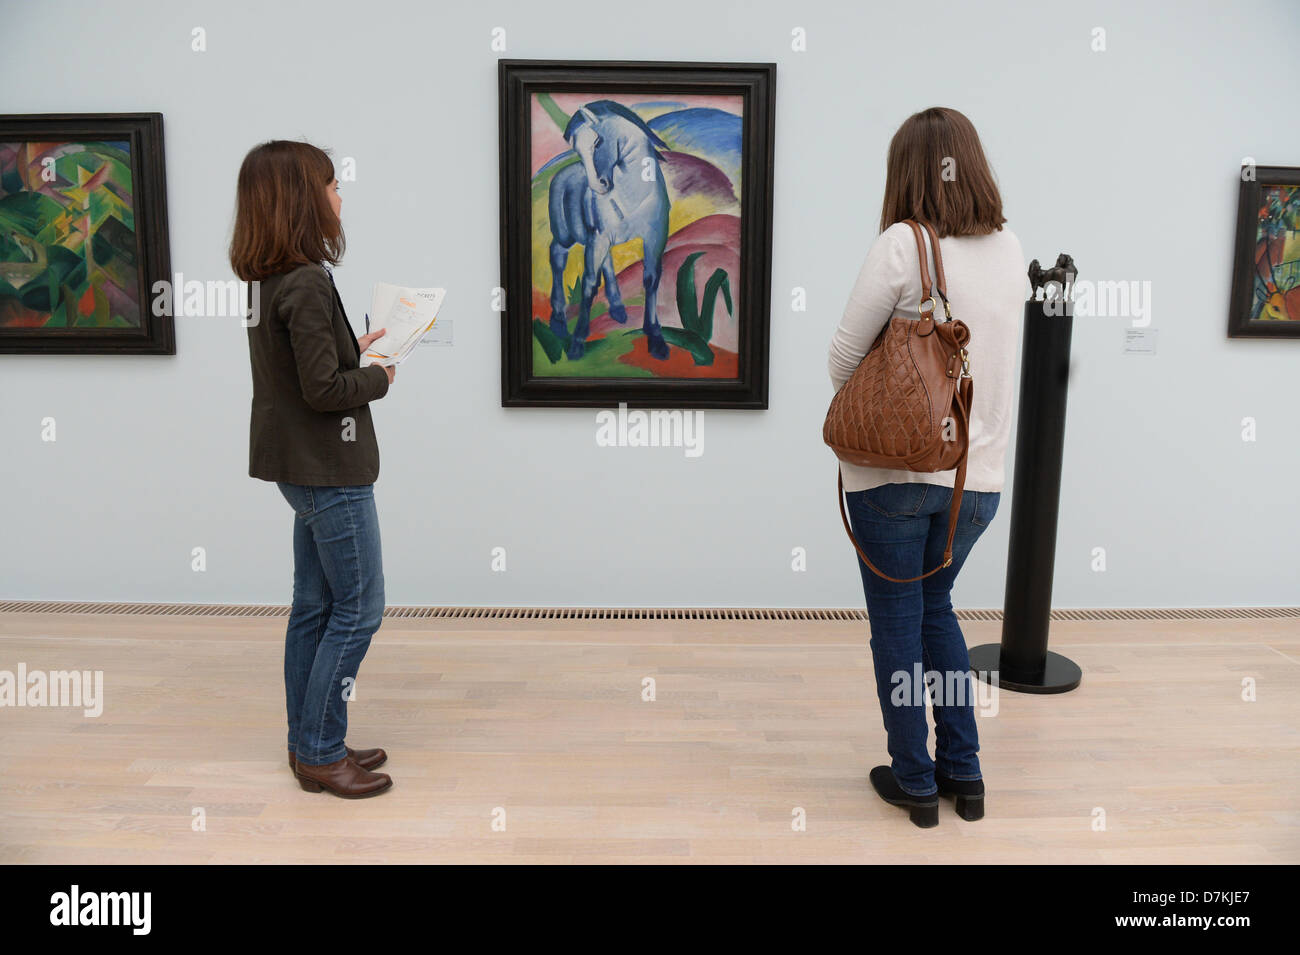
<point x="548" y="139"/>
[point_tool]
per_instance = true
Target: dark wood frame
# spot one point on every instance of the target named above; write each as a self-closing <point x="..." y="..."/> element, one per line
<point x="1240" y="325"/>
<point x="144" y="131"/>
<point x="756" y="83"/>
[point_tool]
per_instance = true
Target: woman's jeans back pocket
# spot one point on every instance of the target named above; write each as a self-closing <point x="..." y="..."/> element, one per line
<point x="896" y="500"/>
<point x="300" y="497"/>
<point x="986" y="505"/>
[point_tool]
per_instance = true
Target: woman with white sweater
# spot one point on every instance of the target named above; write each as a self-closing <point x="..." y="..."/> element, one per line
<point x="936" y="173"/>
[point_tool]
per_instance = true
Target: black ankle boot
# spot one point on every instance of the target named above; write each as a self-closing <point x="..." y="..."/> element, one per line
<point x="923" y="810"/>
<point x="968" y="792"/>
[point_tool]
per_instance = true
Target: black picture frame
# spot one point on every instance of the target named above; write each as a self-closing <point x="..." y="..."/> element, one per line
<point x="756" y="84"/>
<point x="144" y="133"/>
<point x="1241" y="323"/>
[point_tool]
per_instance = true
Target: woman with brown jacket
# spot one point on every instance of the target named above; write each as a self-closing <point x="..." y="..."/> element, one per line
<point x="312" y="434"/>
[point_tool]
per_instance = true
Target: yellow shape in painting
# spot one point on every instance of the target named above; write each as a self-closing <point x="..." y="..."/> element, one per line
<point x="683" y="213"/>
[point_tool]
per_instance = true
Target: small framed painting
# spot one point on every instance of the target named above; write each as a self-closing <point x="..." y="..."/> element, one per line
<point x="83" y="234"/>
<point x="636" y="233"/>
<point x="1266" y="273"/>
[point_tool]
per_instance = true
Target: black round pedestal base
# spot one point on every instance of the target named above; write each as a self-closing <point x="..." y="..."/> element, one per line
<point x="1059" y="676"/>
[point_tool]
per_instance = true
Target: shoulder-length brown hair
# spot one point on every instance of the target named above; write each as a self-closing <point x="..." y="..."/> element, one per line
<point x="937" y="172"/>
<point x="283" y="218"/>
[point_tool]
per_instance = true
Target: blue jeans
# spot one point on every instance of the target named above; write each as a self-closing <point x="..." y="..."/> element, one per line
<point x="914" y="631"/>
<point x="338" y="603"/>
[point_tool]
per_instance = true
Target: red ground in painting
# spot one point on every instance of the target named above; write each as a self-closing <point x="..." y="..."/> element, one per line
<point x="680" y="364"/>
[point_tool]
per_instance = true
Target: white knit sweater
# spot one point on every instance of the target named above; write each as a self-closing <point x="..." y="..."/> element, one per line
<point x="987" y="288"/>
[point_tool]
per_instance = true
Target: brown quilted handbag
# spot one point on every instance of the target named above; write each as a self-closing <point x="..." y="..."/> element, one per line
<point x="907" y="406"/>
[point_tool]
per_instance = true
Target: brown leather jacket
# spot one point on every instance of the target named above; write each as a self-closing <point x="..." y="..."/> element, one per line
<point x="311" y="421"/>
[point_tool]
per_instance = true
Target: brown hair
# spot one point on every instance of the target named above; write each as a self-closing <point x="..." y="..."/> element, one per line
<point x="930" y="144"/>
<point x="282" y="216"/>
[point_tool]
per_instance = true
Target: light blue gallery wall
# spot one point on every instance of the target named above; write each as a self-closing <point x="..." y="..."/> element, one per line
<point x="1126" y="157"/>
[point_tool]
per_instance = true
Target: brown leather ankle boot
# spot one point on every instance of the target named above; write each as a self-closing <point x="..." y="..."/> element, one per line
<point x="343" y="778"/>
<point x="365" y="758"/>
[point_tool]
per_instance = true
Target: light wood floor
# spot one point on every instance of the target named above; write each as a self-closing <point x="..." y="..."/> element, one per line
<point x="545" y="720"/>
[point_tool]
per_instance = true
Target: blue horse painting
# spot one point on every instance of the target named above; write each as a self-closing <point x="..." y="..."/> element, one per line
<point x="614" y="194"/>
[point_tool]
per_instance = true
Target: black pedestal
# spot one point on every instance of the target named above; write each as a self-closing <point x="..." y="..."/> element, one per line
<point x="1058" y="675"/>
<point x="1022" y="661"/>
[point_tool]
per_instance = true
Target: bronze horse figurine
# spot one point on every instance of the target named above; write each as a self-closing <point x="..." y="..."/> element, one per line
<point x="1062" y="274"/>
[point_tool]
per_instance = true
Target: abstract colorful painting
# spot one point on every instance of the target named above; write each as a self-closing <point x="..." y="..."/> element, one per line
<point x="1266" y="285"/>
<point x="80" y="215"/>
<point x="643" y="249"/>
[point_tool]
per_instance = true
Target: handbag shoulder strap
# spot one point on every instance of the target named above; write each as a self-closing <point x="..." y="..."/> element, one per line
<point x="922" y="258"/>
<point x="941" y="284"/>
<point x="939" y="281"/>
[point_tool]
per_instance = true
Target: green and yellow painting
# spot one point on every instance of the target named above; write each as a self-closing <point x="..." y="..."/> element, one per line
<point x="68" y="244"/>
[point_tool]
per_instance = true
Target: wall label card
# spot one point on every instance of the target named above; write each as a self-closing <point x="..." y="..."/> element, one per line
<point x="439" y="334"/>
<point x="1139" y="341"/>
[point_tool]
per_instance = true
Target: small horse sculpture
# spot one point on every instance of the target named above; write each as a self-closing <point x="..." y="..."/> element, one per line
<point x="615" y="193"/>
<point x="1062" y="274"/>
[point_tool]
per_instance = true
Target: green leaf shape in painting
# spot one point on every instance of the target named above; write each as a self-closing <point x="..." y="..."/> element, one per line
<point x="699" y="349"/>
<point x="718" y="280"/>
<point x="698" y="319"/>
<point x="546" y="338"/>
<point x="686" y="307"/>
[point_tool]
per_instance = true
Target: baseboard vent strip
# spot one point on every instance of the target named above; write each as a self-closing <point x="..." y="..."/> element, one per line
<point x="634" y="613"/>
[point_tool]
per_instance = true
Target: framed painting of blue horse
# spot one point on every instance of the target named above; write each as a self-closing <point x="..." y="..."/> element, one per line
<point x="636" y="205"/>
